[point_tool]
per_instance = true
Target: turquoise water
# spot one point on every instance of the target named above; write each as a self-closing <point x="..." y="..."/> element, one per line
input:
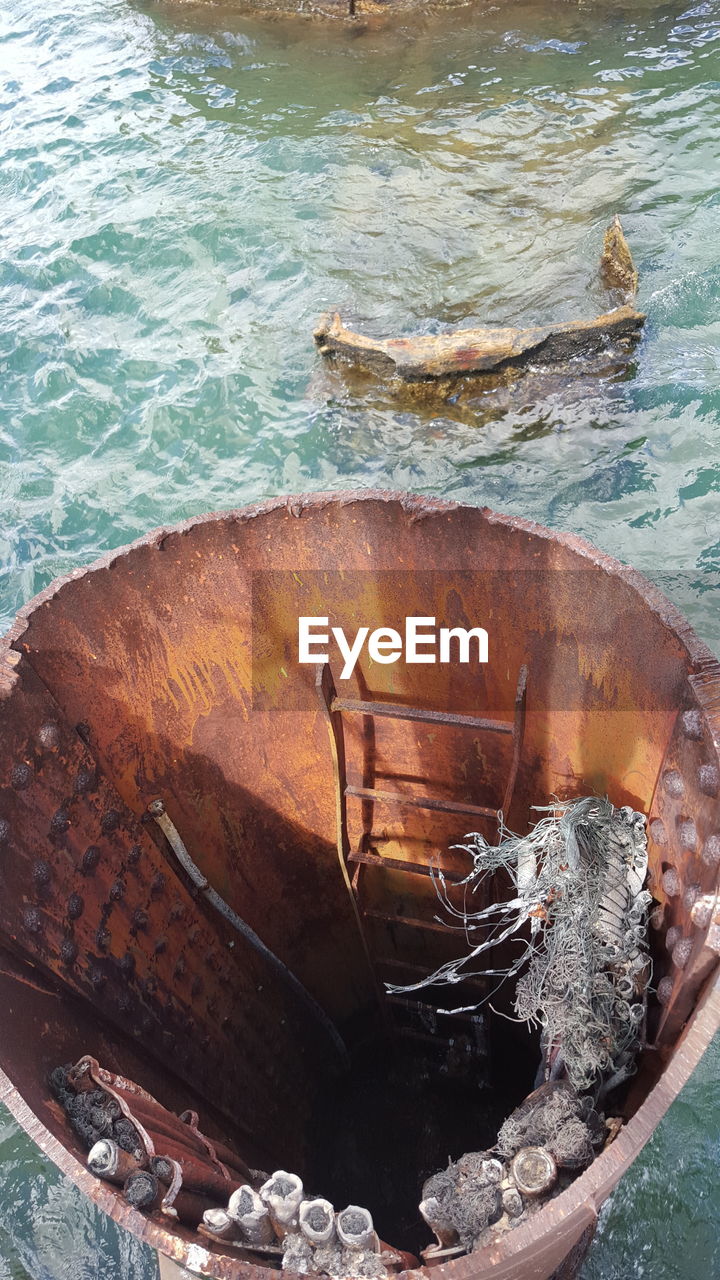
<point x="184" y="191"/>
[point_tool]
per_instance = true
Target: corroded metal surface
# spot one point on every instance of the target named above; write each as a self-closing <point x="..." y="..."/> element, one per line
<point x="89" y="897"/>
<point x="175" y="659"/>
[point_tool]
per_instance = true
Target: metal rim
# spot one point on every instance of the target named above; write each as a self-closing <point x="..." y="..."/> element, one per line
<point x="580" y="1202"/>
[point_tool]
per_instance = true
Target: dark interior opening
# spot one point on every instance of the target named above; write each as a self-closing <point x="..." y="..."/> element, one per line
<point x="404" y="1109"/>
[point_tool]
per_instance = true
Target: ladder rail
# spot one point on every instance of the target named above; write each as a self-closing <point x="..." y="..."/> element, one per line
<point x="325" y="689"/>
<point x="333" y="708"/>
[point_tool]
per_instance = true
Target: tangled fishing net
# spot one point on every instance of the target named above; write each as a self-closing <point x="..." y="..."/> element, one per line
<point x="578" y="914"/>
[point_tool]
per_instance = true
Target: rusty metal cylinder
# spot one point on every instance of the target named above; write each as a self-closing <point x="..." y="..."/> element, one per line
<point x="316" y="1219"/>
<point x="247" y="1209"/>
<point x="533" y="1171"/>
<point x="220" y="1224"/>
<point x="108" y="1160"/>
<point x="647" y="728"/>
<point x="197" y="1175"/>
<point x="355" y="1228"/>
<point x="225" y="1154"/>
<point x="282" y="1195"/>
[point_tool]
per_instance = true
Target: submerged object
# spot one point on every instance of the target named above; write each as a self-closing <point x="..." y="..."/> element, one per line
<point x="317" y="812"/>
<point x="481" y="350"/>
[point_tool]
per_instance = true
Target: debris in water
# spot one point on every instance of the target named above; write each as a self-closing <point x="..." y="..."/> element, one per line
<point x="617" y="269"/>
<point x="481" y="350"/>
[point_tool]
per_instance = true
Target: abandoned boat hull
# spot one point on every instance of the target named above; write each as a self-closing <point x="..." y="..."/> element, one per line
<point x="164" y="671"/>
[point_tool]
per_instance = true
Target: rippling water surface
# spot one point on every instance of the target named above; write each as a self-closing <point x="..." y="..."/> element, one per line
<point x="184" y="190"/>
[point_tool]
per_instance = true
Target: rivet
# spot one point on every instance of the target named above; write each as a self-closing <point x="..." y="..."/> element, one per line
<point x="83" y="731"/>
<point x="139" y="918"/>
<point x="179" y="969"/>
<point x="68" y="951"/>
<point x="196" y="988"/>
<point x="702" y="911"/>
<point x="692" y="724"/>
<point x="687" y="833"/>
<point x="681" y="952"/>
<point x="193" y="934"/>
<point x="160" y="946"/>
<point x="41" y="874"/>
<point x="32" y="920"/>
<point x="75" y="906"/>
<point x="711" y="851"/>
<point x="127" y="964"/>
<point x="658" y="832"/>
<point x="149" y="985"/>
<point x="110" y="821"/>
<point x="4" y="831"/>
<point x="117" y="889"/>
<point x="673" y="784"/>
<point x="671" y="882"/>
<point x="59" y="823"/>
<point x="177" y="911"/>
<point x="90" y="859"/>
<point x="158" y="884"/>
<point x="21" y="777"/>
<point x="709" y="779"/>
<point x="134" y="854"/>
<point x="85" y="780"/>
<point x="49" y="735"/>
<point x="692" y="893"/>
<point x="665" y="989"/>
<point x="672" y="937"/>
<point x="102" y="938"/>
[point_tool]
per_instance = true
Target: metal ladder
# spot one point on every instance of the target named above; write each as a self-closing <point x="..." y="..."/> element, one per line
<point x="353" y="863"/>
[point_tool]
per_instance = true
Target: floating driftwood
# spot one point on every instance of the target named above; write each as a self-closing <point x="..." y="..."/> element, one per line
<point x="467" y="351"/>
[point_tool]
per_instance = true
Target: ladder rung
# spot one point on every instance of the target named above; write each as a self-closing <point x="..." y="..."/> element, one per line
<point x="411" y="921"/>
<point x="419" y="802"/>
<point x="399" y="864"/>
<point x="396" y="711"/>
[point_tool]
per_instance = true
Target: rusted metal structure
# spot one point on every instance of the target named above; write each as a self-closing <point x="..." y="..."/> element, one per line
<point x="167" y="671"/>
